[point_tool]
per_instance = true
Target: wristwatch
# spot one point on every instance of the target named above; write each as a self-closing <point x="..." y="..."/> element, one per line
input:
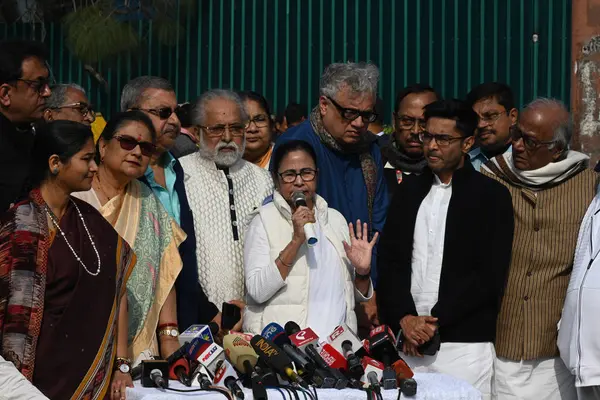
<point x="123" y="364"/>
<point x="173" y="332"/>
<point x="362" y="277"/>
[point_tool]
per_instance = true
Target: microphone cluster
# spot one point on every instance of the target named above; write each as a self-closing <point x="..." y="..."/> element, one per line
<point x="287" y="357"/>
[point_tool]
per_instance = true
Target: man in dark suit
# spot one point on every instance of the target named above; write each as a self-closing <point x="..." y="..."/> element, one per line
<point x="444" y="254"/>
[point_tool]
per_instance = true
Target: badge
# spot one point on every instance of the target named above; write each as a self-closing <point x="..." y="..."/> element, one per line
<point x="399" y="176"/>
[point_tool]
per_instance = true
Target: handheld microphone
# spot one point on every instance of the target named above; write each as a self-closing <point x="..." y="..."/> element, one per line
<point x="372" y="366"/>
<point x="207" y="353"/>
<point x="136" y="372"/>
<point x="226" y="376"/>
<point x="381" y="346"/>
<point x="275" y="358"/>
<point x="340" y="380"/>
<point x="244" y="358"/>
<point x="355" y="368"/>
<point x="299" y="199"/>
<point x="341" y="334"/>
<point x="373" y="381"/>
<point x="408" y="387"/>
<point x="154" y="373"/>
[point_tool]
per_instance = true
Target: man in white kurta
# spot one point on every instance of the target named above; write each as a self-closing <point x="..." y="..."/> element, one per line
<point x="439" y="274"/>
<point x="222" y="189"/>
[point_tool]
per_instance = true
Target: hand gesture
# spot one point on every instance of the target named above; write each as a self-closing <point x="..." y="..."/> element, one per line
<point x="418" y="330"/>
<point x="120" y="382"/>
<point x="360" y="249"/>
<point x="301" y="216"/>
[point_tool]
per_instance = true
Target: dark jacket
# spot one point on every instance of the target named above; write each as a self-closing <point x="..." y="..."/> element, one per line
<point x="15" y="157"/>
<point x="477" y="253"/>
<point x="193" y="307"/>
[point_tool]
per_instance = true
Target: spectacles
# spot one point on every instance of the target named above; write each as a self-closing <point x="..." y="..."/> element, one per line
<point x="260" y="121"/>
<point x="351" y="114"/>
<point x="529" y="142"/>
<point x="219" y="130"/>
<point x="441" y="140"/>
<point x="406" y="122"/>
<point x="162" y="113"/>
<point x="489" y="119"/>
<point x="83" y="108"/>
<point x="128" y="143"/>
<point x="39" y="85"/>
<point x="306" y="174"/>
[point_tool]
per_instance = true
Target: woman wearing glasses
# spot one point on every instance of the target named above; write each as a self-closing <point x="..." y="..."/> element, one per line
<point x="259" y="132"/>
<point x="124" y="151"/>
<point x="288" y="280"/>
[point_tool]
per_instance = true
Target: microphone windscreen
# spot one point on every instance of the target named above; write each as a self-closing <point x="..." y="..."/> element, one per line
<point x="299" y="199"/>
<point x="291" y="327"/>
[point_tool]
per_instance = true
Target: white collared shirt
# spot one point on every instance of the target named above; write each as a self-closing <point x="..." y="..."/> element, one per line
<point x="428" y="246"/>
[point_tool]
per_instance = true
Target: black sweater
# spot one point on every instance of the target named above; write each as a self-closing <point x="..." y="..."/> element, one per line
<point x="477" y="253"/>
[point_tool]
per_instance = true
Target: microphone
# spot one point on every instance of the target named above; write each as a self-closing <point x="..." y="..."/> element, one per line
<point x="274" y="357"/>
<point x="355" y="368"/>
<point x="299" y="199"/>
<point x="307" y="341"/>
<point x="154" y="373"/>
<point x="225" y="376"/>
<point x="341" y="334"/>
<point x="306" y="368"/>
<point x="193" y="331"/>
<point x="381" y="346"/>
<point x="244" y="358"/>
<point x="373" y="368"/>
<point x="136" y="372"/>
<point x="207" y="353"/>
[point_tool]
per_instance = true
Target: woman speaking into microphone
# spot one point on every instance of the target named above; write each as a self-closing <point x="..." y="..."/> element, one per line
<point x="302" y="262"/>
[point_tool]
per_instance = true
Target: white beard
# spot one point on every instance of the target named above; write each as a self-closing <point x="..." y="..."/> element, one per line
<point x="221" y="158"/>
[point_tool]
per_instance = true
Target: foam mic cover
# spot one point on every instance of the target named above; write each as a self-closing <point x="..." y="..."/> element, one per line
<point x="291" y="327"/>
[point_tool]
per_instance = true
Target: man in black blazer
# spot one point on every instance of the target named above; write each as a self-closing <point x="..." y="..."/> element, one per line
<point x="444" y="254"/>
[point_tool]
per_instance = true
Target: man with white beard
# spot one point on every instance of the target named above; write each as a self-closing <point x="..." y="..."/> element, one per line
<point x="223" y="189"/>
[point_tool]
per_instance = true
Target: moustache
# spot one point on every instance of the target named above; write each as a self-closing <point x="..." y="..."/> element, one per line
<point x="222" y="146"/>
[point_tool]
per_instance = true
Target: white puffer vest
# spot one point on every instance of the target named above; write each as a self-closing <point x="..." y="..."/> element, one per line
<point x="290" y="303"/>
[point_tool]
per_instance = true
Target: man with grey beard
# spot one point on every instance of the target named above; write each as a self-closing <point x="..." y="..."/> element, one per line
<point x="222" y="189"/>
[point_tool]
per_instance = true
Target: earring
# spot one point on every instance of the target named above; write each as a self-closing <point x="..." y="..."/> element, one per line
<point x="55" y="171"/>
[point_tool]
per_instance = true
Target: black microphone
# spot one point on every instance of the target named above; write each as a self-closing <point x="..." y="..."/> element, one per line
<point x="136" y="372"/>
<point x="231" y="384"/>
<point x="340" y="380"/>
<point x="355" y="368"/>
<point x="381" y="346"/>
<point x="299" y="199"/>
<point x="275" y="357"/>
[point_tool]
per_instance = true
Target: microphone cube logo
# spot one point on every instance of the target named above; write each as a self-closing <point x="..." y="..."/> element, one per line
<point x="336" y="333"/>
<point x="269" y="332"/>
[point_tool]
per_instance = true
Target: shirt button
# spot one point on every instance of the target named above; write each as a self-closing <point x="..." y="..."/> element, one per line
<point x="537" y="228"/>
<point x="228" y="176"/>
<point x="526" y="298"/>
<point x="232" y="207"/>
<point x="529" y="273"/>
<point x="234" y="223"/>
<point x="230" y="191"/>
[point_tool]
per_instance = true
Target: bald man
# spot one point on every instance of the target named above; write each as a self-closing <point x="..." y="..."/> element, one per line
<point x="551" y="189"/>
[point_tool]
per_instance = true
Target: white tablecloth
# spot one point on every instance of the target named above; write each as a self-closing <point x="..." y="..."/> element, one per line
<point x="429" y="387"/>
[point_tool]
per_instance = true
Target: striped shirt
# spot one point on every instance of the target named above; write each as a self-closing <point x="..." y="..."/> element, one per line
<point x="546" y="228"/>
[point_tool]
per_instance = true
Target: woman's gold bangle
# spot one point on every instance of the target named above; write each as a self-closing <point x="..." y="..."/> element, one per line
<point x="282" y="262"/>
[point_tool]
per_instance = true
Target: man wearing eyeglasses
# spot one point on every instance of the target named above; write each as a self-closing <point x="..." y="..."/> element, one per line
<point x="223" y="189"/>
<point x="404" y="152"/>
<point x="23" y="92"/>
<point x="348" y="157"/>
<point x="494" y="104"/>
<point x="551" y="189"/>
<point x="69" y="102"/>
<point x="441" y="279"/>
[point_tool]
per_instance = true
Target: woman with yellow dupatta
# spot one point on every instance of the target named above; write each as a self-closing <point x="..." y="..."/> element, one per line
<point x="125" y="147"/>
<point x="63" y="271"/>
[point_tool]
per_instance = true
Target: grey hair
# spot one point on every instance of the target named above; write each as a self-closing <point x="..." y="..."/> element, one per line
<point x="58" y="95"/>
<point x="199" y="109"/>
<point x="361" y="78"/>
<point x="564" y="131"/>
<point x="131" y="95"/>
